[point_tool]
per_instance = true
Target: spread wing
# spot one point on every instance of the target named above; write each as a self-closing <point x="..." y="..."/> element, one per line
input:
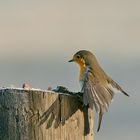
<point x="97" y="94"/>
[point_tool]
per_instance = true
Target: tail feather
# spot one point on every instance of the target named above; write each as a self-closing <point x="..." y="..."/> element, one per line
<point x="115" y="85"/>
<point x="100" y="121"/>
<point x="125" y="93"/>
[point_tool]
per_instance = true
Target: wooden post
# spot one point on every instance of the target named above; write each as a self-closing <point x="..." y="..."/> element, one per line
<point x="43" y="115"/>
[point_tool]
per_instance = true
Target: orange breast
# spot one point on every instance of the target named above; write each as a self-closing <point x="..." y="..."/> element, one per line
<point x="81" y="63"/>
<point x="82" y="70"/>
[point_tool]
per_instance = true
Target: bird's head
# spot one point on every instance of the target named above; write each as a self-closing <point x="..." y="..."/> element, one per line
<point x="83" y="58"/>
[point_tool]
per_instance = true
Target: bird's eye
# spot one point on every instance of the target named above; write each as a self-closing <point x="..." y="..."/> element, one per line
<point x="78" y="56"/>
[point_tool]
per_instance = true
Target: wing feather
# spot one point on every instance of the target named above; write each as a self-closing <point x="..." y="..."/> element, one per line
<point x="96" y="94"/>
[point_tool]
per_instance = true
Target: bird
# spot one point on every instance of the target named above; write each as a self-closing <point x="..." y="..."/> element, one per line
<point x="97" y="87"/>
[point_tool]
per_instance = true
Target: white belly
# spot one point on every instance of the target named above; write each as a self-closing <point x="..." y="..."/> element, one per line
<point x="83" y="77"/>
<point x="81" y="83"/>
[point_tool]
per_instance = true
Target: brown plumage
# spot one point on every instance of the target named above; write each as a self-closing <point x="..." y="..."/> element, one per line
<point x="97" y="86"/>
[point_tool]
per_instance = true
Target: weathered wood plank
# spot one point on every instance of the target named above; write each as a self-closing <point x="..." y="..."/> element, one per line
<point x="43" y="115"/>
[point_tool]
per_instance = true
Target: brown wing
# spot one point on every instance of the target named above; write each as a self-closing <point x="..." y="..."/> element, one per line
<point x="97" y="94"/>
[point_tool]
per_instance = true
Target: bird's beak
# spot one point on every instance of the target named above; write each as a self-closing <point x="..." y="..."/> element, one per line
<point x="71" y="60"/>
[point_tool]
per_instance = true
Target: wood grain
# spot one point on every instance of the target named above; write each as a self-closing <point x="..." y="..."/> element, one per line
<point x="43" y="115"/>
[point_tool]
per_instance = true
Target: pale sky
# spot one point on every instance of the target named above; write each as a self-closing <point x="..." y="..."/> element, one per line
<point x="37" y="38"/>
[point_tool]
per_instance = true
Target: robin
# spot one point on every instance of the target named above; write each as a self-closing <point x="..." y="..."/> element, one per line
<point x="97" y="87"/>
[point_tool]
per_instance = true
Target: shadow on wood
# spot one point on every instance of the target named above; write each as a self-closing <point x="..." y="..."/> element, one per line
<point x="43" y="115"/>
<point x="55" y="116"/>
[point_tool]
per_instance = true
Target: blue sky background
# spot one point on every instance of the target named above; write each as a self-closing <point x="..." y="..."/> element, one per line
<point x="37" y="38"/>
